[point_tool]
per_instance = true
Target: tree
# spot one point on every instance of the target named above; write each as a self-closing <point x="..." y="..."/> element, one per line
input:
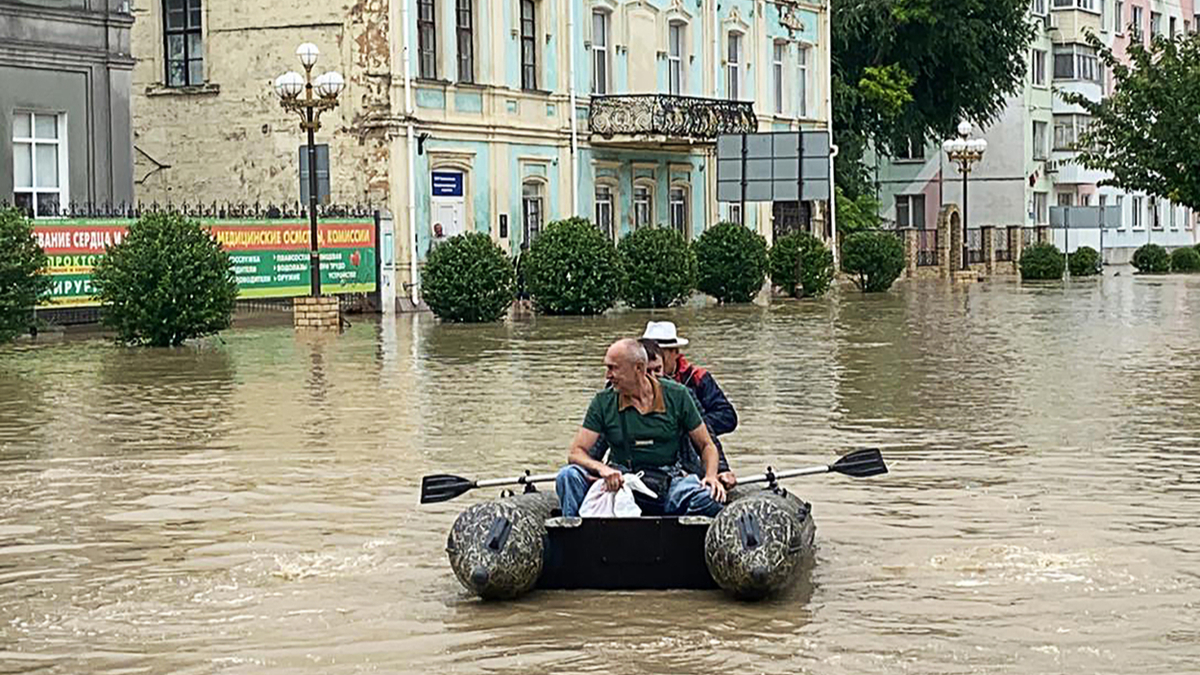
<point x="874" y="258"/>
<point x="168" y="281"/>
<point x="23" y="282"/>
<point x="468" y="279"/>
<point x="732" y="261"/>
<point x="660" y="268"/>
<point x="912" y="69"/>
<point x="572" y="269"/>
<point x="801" y="252"/>
<point x="1144" y="133"/>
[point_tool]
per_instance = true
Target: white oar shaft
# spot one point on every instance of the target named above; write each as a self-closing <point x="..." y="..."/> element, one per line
<point x="522" y="480"/>
<point x="792" y="473"/>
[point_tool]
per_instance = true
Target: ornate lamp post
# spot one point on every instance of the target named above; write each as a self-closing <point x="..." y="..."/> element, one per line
<point x="326" y="88"/>
<point x="965" y="153"/>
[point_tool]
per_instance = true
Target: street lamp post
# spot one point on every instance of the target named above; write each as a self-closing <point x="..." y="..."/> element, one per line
<point x="319" y="95"/>
<point x="965" y="153"/>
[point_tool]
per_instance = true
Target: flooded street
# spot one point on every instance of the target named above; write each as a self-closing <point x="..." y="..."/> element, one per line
<point x="249" y="504"/>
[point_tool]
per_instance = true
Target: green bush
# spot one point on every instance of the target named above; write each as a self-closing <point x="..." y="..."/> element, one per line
<point x="468" y="279"/>
<point x="1042" y="261"/>
<point x="1084" y="262"/>
<point x="572" y="268"/>
<point x="660" y="268"/>
<point x="1185" y="260"/>
<point x="166" y="282"/>
<point x="1152" y="259"/>
<point x="876" y="258"/>
<point x="816" y="265"/>
<point x="732" y="262"/>
<point x="22" y="282"/>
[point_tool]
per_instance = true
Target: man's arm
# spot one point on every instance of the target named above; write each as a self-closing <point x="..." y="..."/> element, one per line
<point x="717" y="411"/>
<point x="709" y="460"/>
<point x="579" y="455"/>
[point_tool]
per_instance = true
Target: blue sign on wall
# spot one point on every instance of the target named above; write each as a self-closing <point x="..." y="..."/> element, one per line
<point x="447" y="184"/>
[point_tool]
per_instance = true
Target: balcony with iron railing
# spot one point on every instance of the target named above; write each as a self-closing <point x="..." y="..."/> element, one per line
<point x="665" y="119"/>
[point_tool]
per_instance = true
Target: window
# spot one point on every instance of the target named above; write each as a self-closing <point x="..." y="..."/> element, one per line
<point x="802" y="80"/>
<point x="1155" y="24"/>
<point x="466" y="41"/>
<point x="184" y="43"/>
<point x="1196" y="22"/>
<point x="1039" y="140"/>
<point x="531" y="209"/>
<point x="1174" y="28"/>
<point x="1135" y="23"/>
<point x="599" y="52"/>
<point x="1037" y="7"/>
<point x="1121" y="210"/>
<point x="1085" y="200"/>
<point x="1041" y="208"/>
<point x="643" y="206"/>
<point x="40" y="162"/>
<point x="675" y="57"/>
<point x="1171" y="208"/>
<point x="1103" y="201"/>
<point x="679" y="210"/>
<point x="1119" y="17"/>
<point x="1038" y="67"/>
<point x="1066" y="199"/>
<point x="910" y="211"/>
<point x="1136" y="212"/>
<point x="426" y="39"/>
<point x="1103" y="16"/>
<point x="1089" y="5"/>
<point x="1068" y="129"/>
<point x="322" y="173"/>
<point x="910" y="149"/>
<point x="780" y="52"/>
<point x="734" y="64"/>
<point x="735" y="213"/>
<point x="1076" y="62"/>
<point x="528" y="45"/>
<point x="1155" y="213"/>
<point x="604" y="210"/>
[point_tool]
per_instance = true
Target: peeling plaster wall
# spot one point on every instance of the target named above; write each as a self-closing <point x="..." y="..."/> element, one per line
<point x="229" y="139"/>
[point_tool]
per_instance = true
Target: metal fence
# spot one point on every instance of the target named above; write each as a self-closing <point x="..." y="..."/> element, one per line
<point x="1028" y="236"/>
<point x="1003" y="252"/>
<point x="974" y="246"/>
<point x="212" y="210"/>
<point x="927" y="248"/>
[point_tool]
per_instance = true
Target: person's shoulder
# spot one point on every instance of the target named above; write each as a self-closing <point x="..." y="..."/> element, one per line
<point x="606" y="395"/>
<point x="672" y="388"/>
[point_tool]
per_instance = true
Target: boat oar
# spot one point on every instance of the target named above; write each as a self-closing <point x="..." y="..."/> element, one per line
<point x="444" y="487"/>
<point x="858" y="464"/>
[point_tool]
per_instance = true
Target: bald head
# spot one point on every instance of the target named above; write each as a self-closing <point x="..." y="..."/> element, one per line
<point x="625" y="365"/>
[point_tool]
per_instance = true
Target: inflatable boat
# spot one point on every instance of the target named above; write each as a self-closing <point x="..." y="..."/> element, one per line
<point x="754" y="548"/>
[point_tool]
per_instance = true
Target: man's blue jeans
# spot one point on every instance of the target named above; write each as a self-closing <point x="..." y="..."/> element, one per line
<point x="686" y="497"/>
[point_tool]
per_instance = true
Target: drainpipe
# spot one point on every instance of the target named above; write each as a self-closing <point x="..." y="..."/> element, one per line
<point x="716" y="45"/>
<point x="826" y="38"/>
<point x="412" y="178"/>
<point x="574" y="114"/>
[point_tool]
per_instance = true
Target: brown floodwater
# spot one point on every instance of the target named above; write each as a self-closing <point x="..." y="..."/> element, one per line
<point x="249" y="504"/>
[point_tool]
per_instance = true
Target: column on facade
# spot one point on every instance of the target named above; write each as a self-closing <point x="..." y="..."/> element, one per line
<point x="945" y="263"/>
<point x="911" y="246"/>
<point x="989" y="248"/>
<point x="1015" y="243"/>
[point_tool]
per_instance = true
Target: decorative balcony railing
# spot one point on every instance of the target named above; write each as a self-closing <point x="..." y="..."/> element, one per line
<point x="675" y="117"/>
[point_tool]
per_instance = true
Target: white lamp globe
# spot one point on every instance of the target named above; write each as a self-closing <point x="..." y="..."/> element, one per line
<point x="964" y="128"/>
<point x="330" y="85"/>
<point x="308" y="54"/>
<point x="289" y="85"/>
<point x="982" y="146"/>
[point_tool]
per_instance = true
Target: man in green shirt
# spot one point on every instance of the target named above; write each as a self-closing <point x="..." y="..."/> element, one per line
<point x="644" y="420"/>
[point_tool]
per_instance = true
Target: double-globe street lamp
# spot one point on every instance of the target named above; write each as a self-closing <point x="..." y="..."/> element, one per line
<point x="965" y="152"/>
<point x="319" y="95"/>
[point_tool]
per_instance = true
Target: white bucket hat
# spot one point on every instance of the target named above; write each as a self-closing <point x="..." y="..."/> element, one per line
<point x="664" y="333"/>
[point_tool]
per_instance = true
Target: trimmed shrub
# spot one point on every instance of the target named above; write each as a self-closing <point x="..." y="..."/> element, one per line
<point x="816" y="265"/>
<point x="1152" y="259"/>
<point x="1084" y="262"/>
<point x="572" y="268"/>
<point x="22" y="283"/>
<point x="166" y="282"/>
<point x="1185" y="260"/>
<point x="875" y="258"/>
<point x="732" y="262"/>
<point x="468" y="279"/>
<point x="1042" y="261"/>
<point x="660" y="268"/>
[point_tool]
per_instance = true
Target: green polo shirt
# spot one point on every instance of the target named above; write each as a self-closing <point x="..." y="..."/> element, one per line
<point x="657" y="435"/>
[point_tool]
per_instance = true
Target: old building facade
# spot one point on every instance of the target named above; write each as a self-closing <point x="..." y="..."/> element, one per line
<point x="65" y="131"/>
<point x="496" y="117"/>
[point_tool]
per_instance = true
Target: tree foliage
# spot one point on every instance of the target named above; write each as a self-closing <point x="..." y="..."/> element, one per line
<point x="1084" y="262"/>
<point x="914" y="68"/>
<point x="468" y="279"/>
<point x="815" y="265"/>
<point x="22" y="280"/>
<point x="1185" y="259"/>
<point x="1151" y="259"/>
<point x="660" y="268"/>
<point x="732" y="261"/>
<point x="168" y="281"/>
<point x="572" y="268"/>
<point x="1145" y="132"/>
<point x="1042" y="262"/>
<point x="874" y="258"/>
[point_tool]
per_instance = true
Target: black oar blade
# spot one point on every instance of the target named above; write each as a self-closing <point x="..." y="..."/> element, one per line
<point x="861" y="464"/>
<point x="443" y="488"/>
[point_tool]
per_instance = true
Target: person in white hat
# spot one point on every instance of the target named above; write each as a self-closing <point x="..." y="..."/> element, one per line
<point x="718" y="413"/>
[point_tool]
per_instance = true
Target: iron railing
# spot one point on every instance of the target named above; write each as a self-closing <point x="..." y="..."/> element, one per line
<point x="1003" y="252"/>
<point x="214" y="210"/>
<point x="683" y="117"/>
<point x="927" y="248"/>
<point x="974" y="246"/>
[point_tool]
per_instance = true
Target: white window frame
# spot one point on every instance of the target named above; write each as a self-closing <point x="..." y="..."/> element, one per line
<point x="612" y="230"/>
<point x="1135" y="210"/>
<point x="803" y="51"/>
<point x="735" y="52"/>
<point x="1041" y="208"/>
<point x="1038" y="71"/>
<point x="1155" y="24"/>
<point x="528" y="232"/>
<point x="677" y="209"/>
<point x="1121" y="208"/>
<point x="60" y="142"/>
<point x="1037" y="7"/>
<point x="736" y="215"/>
<point x="1119" y="17"/>
<point x="602" y="19"/>
<point x="778" y="67"/>
<point x="1040" y="152"/>
<point x="676" y="52"/>
<point x="907" y="212"/>
<point x="1136" y="19"/>
<point x="646" y="187"/>
<point x="1080" y="55"/>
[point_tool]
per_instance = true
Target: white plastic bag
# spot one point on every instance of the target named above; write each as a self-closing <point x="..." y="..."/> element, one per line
<point x="602" y="503"/>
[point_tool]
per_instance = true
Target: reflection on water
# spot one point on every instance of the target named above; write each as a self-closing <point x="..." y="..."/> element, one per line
<point x="248" y="505"/>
